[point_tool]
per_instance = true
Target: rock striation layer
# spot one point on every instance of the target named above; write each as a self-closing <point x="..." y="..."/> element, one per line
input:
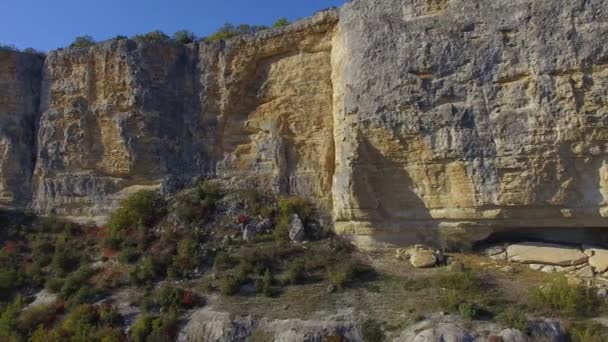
<point x="405" y="121"/>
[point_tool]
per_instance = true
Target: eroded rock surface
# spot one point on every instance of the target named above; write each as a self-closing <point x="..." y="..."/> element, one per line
<point x="423" y="121"/>
<point x="20" y="80"/>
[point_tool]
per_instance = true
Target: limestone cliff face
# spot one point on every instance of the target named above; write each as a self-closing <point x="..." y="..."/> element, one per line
<point x="470" y="116"/>
<point x="116" y="118"/>
<point x="127" y="115"/>
<point x="20" y="77"/>
<point x="405" y="121"/>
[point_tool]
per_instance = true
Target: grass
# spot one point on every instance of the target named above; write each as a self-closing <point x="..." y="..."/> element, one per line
<point x="559" y="297"/>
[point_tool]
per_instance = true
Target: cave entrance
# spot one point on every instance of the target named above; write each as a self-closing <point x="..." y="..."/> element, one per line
<point x="563" y="236"/>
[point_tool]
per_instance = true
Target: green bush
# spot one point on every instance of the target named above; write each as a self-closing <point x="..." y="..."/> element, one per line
<point x="129" y="255"/>
<point x="9" y="280"/>
<point x="559" y="297"/>
<point x="164" y="328"/>
<point x="76" y="281"/>
<point x="514" y="318"/>
<point x="265" y="284"/>
<point x="141" y="328"/>
<point x="295" y="272"/>
<point x="341" y="273"/>
<point x="230" y="284"/>
<point x="467" y="310"/>
<point x="8" y="320"/>
<point x="155" y="36"/>
<point x="169" y="297"/>
<point x="65" y="260"/>
<point x="143" y="208"/>
<point x="184" y="37"/>
<point x="146" y="271"/>
<point x="197" y="205"/>
<point x="230" y="31"/>
<point x="372" y="331"/>
<point x="82" y="42"/>
<point x="280" y="23"/>
<point x="588" y="332"/>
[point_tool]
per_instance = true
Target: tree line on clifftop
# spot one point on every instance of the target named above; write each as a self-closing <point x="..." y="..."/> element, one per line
<point x="225" y="32"/>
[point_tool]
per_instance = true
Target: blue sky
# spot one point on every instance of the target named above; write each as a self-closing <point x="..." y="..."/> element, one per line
<point x="49" y="24"/>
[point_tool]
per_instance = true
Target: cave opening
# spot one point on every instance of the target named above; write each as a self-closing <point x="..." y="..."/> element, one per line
<point x="563" y="236"/>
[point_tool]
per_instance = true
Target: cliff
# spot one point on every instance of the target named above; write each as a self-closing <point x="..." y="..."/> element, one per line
<point x="405" y="121"/>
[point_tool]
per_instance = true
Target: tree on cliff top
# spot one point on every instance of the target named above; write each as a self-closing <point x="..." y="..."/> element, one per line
<point x="82" y="41"/>
<point x="280" y="23"/>
<point x="230" y="31"/>
<point x="184" y="37"/>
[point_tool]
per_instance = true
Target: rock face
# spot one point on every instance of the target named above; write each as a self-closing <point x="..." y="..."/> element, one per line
<point x="422" y="121"/>
<point x="469" y="116"/>
<point x="20" y="79"/>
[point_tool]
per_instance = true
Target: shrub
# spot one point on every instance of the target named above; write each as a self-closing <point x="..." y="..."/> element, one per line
<point x="145" y="272"/>
<point x="186" y="259"/>
<point x="169" y="297"/>
<point x="143" y="208"/>
<point x="8" y="319"/>
<point x="467" y="310"/>
<point x="129" y="255"/>
<point x="341" y="273"/>
<point x="230" y="31"/>
<point x="230" y="284"/>
<point x="141" y="328"/>
<point x="222" y="261"/>
<point x="54" y="285"/>
<point x="82" y="42"/>
<point x="372" y="331"/>
<point x="514" y="318"/>
<point x="9" y="280"/>
<point x="265" y="286"/>
<point x="588" y="332"/>
<point x="81" y="321"/>
<point x="65" y="260"/>
<point x="76" y="281"/>
<point x="280" y="23"/>
<point x="31" y="318"/>
<point x="184" y="37"/>
<point x="562" y="298"/>
<point x="198" y="204"/>
<point x="154" y="36"/>
<point x="295" y="272"/>
<point x="164" y="328"/>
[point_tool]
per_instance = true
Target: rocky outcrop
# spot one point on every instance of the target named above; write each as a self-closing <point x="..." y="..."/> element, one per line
<point x="213" y="326"/>
<point x="404" y="121"/>
<point x="20" y="78"/>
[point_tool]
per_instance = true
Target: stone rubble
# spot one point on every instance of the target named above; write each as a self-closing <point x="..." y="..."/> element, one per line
<point x="580" y="264"/>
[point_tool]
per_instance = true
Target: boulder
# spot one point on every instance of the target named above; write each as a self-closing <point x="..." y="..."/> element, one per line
<point x="545" y="253"/>
<point x="422" y="258"/>
<point x="249" y="232"/>
<point x="513" y="335"/>
<point x="499" y="257"/>
<point x="548" y="330"/>
<point x="448" y="332"/>
<point x="495" y="250"/>
<point x="598" y="259"/>
<point x="297" y="232"/>
<point x="585" y="272"/>
<point x="456" y="266"/>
